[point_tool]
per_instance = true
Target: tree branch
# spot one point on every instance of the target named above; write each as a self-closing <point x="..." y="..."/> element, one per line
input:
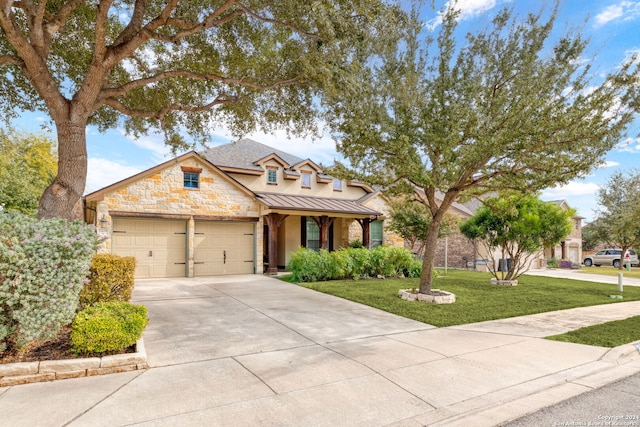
<point x="162" y="113"/>
<point x="127" y="87"/>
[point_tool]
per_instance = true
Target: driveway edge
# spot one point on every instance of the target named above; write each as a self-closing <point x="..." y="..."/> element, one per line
<point x="49" y="370"/>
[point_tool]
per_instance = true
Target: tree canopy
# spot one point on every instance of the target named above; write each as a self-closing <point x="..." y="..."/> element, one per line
<point x="27" y="167"/>
<point x="180" y="67"/>
<point x="509" y="108"/>
<point x="410" y="220"/>
<point x="517" y="227"/>
<point x="618" y="219"/>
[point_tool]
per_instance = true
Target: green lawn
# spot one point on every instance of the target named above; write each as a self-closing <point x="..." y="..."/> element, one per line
<point x="610" y="334"/>
<point x="476" y="299"/>
<point x="610" y="271"/>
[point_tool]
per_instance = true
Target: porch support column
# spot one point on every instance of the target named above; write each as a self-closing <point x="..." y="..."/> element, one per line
<point x="324" y="222"/>
<point x="563" y="247"/>
<point x="274" y="221"/>
<point x="365" y="223"/>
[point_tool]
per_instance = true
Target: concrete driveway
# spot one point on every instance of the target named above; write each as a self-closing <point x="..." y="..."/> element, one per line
<point x="252" y="350"/>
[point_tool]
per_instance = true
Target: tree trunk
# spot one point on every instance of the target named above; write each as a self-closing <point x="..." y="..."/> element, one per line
<point x="428" y="259"/>
<point x="62" y="199"/>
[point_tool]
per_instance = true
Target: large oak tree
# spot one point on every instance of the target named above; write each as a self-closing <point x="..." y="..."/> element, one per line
<point x="180" y="66"/>
<point x="509" y="108"/>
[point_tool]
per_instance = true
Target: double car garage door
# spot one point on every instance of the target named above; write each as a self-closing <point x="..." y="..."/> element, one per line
<point x="161" y="247"/>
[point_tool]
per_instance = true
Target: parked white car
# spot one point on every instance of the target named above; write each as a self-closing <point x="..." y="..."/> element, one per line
<point x="611" y="257"/>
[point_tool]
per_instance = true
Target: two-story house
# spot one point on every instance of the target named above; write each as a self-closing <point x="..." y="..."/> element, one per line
<point x="236" y="208"/>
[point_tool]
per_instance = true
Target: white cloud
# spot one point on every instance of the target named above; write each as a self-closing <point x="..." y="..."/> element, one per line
<point x="629" y="145"/>
<point x="153" y="142"/>
<point x="468" y="10"/>
<point x="626" y="10"/>
<point x="103" y="172"/>
<point x="609" y="164"/>
<point x="573" y="188"/>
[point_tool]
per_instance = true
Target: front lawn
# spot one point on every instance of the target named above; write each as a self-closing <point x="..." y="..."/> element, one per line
<point x="476" y="299"/>
<point x="610" y="271"/>
<point x="610" y="334"/>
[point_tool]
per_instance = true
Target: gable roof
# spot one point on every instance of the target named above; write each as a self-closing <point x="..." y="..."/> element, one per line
<point x="244" y="154"/>
<point x="99" y="194"/>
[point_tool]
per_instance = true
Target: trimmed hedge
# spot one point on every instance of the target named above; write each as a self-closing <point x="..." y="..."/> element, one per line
<point x="108" y="326"/>
<point x="110" y="279"/>
<point x="352" y="263"/>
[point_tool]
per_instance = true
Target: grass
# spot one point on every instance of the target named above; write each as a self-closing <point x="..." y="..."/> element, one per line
<point x="610" y="334"/>
<point x="610" y="271"/>
<point x="476" y="299"/>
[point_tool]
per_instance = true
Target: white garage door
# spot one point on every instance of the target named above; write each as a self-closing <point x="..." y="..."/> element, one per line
<point x="223" y="247"/>
<point x="160" y="246"/>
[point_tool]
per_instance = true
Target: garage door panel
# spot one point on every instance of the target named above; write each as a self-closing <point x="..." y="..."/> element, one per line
<point x="159" y="246"/>
<point x="223" y="248"/>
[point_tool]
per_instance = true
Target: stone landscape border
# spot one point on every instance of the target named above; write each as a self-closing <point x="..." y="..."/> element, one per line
<point x="50" y="370"/>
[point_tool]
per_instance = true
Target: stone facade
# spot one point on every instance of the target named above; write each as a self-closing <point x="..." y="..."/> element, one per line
<point x="228" y="193"/>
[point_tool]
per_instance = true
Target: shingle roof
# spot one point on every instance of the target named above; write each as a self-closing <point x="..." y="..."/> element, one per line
<point x="315" y="204"/>
<point x="243" y="153"/>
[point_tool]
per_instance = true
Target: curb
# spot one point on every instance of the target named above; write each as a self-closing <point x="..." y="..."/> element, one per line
<point x="622" y="354"/>
<point x="50" y="370"/>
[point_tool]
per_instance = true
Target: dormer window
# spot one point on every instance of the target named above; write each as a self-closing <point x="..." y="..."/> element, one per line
<point x="337" y="184"/>
<point x="306" y="179"/>
<point x="272" y="175"/>
<point x="191" y="177"/>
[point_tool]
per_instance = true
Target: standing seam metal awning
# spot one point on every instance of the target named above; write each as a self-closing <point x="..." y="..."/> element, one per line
<point x="314" y="204"/>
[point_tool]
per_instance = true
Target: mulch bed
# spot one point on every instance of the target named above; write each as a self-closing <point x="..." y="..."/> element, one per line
<point x="52" y="349"/>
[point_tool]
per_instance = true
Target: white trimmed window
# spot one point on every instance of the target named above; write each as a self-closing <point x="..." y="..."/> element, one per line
<point x="305" y="179"/>
<point x="272" y="175"/>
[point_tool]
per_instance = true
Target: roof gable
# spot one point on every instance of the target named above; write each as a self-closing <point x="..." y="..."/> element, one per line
<point x="244" y="155"/>
<point x="99" y="194"/>
<point x="274" y="157"/>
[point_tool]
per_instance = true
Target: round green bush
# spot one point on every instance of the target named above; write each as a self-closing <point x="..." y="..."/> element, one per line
<point x="108" y="326"/>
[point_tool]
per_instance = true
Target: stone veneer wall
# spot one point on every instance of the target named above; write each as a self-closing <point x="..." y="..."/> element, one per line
<point x="389" y="238"/>
<point x="163" y="193"/>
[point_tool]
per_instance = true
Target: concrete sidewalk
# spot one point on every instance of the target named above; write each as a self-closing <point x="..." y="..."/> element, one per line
<point x="252" y="350"/>
<point x="565" y="273"/>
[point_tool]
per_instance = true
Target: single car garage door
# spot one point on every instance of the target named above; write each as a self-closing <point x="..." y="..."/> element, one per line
<point x="160" y="246"/>
<point x="223" y="247"/>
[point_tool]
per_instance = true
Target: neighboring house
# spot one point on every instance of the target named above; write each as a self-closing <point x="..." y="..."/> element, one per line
<point x="569" y="249"/>
<point x="456" y="251"/>
<point x="236" y="208"/>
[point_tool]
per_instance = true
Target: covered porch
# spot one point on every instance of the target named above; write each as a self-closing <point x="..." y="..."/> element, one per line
<point x="294" y="221"/>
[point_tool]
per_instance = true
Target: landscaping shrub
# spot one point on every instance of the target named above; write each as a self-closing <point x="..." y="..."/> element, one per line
<point x="310" y="266"/>
<point x="359" y="263"/>
<point x="415" y="269"/>
<point x="108" y="326"/>
<point x="43" y="266"/>
<point x="552" y="263"/>
<point x="110" y="279"/>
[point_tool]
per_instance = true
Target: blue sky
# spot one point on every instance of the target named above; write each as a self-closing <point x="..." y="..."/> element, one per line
<point x="613" y="27"/>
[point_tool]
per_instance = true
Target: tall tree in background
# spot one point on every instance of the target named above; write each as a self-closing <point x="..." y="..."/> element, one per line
<point x="509" y="109"/>
<point x="175" y="65"/>
<point x="618" y="219"/>
<point x="27" y="167"/>
<point x="410" y="220"/>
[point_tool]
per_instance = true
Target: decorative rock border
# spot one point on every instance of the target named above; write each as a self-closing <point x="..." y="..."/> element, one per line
<point x="437" y="296"/>
<point x="495" y="281"/>
<point x="50" y="370"/>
